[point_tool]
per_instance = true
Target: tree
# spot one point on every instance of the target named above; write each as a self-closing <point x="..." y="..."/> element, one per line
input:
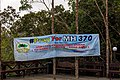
<point x="37" y="24"/>
<point x="52" y="12"/>
<point x="91" y="20"/>
<point x="97" y="13"/>
<point x="8" y="17"/>
<point x="25" y="5"/>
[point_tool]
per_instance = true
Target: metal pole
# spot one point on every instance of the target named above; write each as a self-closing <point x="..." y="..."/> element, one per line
<point x="76" y="58"/>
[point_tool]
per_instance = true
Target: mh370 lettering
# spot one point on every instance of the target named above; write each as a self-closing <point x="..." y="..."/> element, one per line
<point x="63" y="38"/>
<point x="72" y="38"/>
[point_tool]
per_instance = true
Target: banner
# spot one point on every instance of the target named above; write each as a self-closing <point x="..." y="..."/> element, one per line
<point x="56" y="45"/>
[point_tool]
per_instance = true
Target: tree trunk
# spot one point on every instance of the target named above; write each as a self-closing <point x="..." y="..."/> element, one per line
<point x="107" y="41"/>
<point x="0" y="50"/>
<point x="52" y="27"/>
<point x="76" y="58"/>
<point x="76" y="21"/>
<point x="111" y="54"/>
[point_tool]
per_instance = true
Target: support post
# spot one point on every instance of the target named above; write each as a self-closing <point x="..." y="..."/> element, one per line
<point x="76" y="68"/>
<point x="54" y="69"/>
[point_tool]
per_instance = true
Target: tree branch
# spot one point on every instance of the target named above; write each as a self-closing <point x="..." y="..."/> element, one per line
<point x="63" y="22"/>
<point x="43" y="1"/>
<point x="103" y="2"/>
<point x="40" y="1"/>
<point x="115" y="30"/>
<point x="95" y="25"/>
<point x="100" y="12"/>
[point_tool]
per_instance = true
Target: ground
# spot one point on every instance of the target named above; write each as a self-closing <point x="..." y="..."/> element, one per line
<point x="58" y="77"/>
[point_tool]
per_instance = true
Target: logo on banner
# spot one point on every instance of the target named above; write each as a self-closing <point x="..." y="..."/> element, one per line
<point x="23" y="47"/>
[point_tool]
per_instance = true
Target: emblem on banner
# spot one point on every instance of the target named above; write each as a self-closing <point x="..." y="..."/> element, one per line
<point x="23" y="47"/>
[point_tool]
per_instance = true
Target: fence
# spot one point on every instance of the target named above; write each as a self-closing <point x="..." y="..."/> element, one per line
<point x="13" y="68"/>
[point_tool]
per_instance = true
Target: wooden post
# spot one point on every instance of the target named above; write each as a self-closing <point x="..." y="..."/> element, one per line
<point x="107" y="41"/>
<point x="111" y="53"/>
<point x="36" y="65"/>
<point x="76" y="59"/>
<point x="76" y="68"/>
<point x="54" y="60"/>
<point x="3" y="75"/>
<point x="54" y="69"/>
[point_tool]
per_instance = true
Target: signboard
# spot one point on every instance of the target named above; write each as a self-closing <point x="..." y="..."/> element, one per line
<point x="56" y="45"/>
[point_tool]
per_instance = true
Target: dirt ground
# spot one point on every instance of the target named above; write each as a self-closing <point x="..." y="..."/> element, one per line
<point x="58" y="77"/>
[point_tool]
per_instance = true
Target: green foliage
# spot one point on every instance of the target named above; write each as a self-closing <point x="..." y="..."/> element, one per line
<point x="89" y="15"/>
<point x="114" y="22"/>
<point x="25" y="5"/>
<point x="33" y="24"/>
<point x="6" y="45"/>
<point x="63" y="20"/>
<point x="8" y="17"/>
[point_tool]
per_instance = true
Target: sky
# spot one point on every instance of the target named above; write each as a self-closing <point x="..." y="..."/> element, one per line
<point x="36" y="6"/>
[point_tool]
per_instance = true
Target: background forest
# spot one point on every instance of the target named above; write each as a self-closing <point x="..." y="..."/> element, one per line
<point x="90" y="21"/>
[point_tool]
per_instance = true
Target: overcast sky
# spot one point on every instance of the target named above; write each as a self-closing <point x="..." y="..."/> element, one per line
<point x="36" y="6"/>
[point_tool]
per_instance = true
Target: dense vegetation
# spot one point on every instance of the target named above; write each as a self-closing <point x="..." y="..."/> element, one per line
<point x="39" y="23"/>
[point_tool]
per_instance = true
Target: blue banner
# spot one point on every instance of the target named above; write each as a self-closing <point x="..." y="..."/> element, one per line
<point x="56" y="45"/>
